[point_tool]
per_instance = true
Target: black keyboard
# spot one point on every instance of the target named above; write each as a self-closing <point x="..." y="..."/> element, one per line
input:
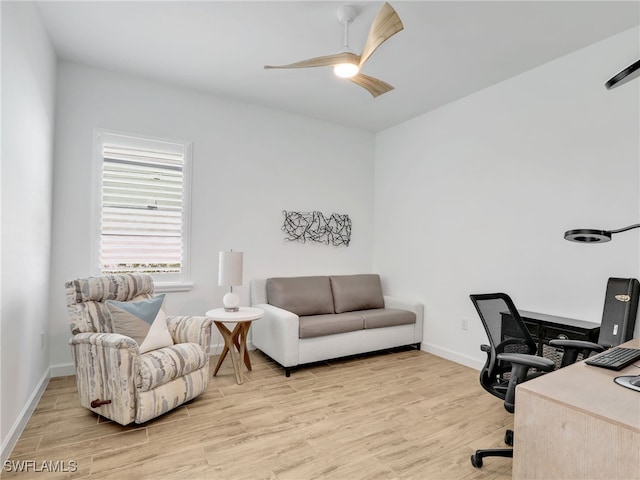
<point x="615" y="358"/>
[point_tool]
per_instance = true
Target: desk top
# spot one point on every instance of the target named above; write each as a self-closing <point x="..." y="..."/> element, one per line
<point x="592" y="390"/>
<point x="571" y="322"/>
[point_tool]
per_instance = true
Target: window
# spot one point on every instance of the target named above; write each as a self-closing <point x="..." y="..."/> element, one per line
<point x="144" y="193"/>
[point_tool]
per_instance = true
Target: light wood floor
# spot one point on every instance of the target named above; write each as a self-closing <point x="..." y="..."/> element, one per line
<point x="404" y="414"/>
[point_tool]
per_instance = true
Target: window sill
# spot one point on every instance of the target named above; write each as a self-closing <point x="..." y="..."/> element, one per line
<point x="162" y="287"/>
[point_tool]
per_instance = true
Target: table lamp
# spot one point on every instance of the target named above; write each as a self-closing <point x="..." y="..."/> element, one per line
<point x="230" y="275"/>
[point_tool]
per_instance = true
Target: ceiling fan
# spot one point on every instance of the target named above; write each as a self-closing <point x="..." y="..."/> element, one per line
<point x="346" y="63"/>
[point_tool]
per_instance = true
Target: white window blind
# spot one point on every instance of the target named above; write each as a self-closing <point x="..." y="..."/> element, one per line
<point x="142" y="227"/>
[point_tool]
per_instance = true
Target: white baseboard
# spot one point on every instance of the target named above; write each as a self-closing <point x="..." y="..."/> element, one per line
<point x="62" y="370"/>
<point x="18" y="427"/>
<point x="453" y="356"/>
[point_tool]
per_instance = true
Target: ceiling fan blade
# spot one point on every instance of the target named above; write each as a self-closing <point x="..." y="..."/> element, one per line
<point x="386" y="24"/>
<point x="374" y="86"/>
<point x="326" y="61"/>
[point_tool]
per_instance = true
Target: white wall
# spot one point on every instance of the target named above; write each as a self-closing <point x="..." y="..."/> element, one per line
<point x="249" y="164"/>
<point x="28" y="87"/>
<point x="475" y="197"/>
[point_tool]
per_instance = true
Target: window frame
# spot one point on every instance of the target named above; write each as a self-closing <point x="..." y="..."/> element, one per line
<point x="162" y="282"/>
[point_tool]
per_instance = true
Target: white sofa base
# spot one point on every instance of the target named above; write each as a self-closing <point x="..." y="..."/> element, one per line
<point x="352" y="343"/>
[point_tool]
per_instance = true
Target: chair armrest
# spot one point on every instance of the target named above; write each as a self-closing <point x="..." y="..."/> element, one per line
<point x="579" y="344"/>
<point x="520" y="365"/>
<point x="277" y="334"/>
<point x="107" y="340"/>
<point x="190" y="329"/>
<point x="490" y="359"/>
<point x="530" y="361"/>
<point x="573" y="347"/>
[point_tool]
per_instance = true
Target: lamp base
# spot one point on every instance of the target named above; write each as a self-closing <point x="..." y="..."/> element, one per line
<point x="231" y="302"/>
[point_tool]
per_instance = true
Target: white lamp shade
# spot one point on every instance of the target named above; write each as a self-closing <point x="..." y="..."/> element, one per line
<point x="230" y="269"/>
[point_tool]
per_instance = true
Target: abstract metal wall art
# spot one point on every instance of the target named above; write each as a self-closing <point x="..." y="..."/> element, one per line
<point x="314" y="226"/>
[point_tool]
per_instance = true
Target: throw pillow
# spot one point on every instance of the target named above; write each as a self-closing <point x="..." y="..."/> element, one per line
<point x="143" y="320"/>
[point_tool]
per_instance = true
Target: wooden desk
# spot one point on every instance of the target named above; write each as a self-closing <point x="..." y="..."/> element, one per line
<point x="576" y="423"/>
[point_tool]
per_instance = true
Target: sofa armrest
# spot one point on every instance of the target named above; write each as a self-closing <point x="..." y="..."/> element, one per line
<point x="190" y="329"/>
<point x="412" y="306"/>
<point x="277" y="334"/>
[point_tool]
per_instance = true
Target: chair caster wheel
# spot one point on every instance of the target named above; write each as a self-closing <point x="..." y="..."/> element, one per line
<point x="476" y="460"/>
<point x="508" y="438"/>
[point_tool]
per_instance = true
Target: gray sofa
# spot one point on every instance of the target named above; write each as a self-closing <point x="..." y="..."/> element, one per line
<point x="309" y="319"/>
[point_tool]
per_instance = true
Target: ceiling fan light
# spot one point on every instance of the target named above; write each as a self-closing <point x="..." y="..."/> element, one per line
<point x="346" y="70"/>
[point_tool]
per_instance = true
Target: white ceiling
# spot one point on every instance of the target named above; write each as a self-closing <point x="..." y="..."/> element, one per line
<point x="447" y="50"/>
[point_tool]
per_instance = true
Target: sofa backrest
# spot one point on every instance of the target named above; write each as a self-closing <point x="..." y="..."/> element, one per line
<point x="319" y="295"/>
<point x="356" y="292"/>
<point x="301" y="295"/>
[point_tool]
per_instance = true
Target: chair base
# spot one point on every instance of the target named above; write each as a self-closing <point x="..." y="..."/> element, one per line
<point x="508" y="437"/>
<point x="476" y="458"/>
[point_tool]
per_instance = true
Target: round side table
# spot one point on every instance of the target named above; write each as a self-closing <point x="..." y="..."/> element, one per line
<point x="235" y="342"/>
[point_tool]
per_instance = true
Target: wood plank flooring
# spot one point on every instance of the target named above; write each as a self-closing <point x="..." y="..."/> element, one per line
<point x="403" y="414"/>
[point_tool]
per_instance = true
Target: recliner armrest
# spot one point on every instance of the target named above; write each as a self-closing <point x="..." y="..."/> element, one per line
<point x="106" y="366"/>
<point x="108" y="340"/>
<point x="190" y="329"/>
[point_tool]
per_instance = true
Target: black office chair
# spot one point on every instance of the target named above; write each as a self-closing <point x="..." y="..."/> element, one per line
<point x="510" y="356"/>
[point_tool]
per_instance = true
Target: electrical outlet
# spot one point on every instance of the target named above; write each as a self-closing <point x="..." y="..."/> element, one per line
<point x="42" y="339"/>
<point x="464" y="323"/>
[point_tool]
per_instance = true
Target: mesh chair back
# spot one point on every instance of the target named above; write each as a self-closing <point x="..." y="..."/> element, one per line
<point x="506" y="332"/>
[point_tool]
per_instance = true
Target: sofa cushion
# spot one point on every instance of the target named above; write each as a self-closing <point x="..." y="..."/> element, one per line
<point x="321" y="325"/>
<point x="356" y="292"/>
<point x="387" y="317"/>
<point x="158" y="367"/>
<point x="301" y="295"/>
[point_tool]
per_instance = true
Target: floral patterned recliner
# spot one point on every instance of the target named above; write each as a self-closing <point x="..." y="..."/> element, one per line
<point x="114" y="379"/>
